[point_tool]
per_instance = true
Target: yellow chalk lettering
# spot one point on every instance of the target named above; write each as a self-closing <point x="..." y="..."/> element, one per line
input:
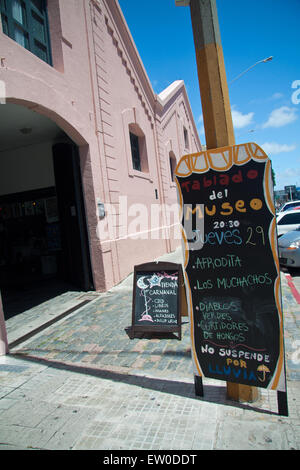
<point x="239" y="205"/>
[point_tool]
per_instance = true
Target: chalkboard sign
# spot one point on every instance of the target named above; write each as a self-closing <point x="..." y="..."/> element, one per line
<point x="157" y="298"/>
<point x="231" y="265"/>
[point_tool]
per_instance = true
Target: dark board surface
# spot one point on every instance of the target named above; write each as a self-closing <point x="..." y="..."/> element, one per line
<point x="156" y="297"/>
<point x="231" y="274"/>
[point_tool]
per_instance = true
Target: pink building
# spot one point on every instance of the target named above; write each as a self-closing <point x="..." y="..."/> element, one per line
<point x="87" y="149"/>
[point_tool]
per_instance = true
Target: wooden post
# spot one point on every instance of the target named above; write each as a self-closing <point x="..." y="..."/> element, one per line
<point x="215" y="107"/>
<point x="211" y="74"/>
<point x="3" y="335"/>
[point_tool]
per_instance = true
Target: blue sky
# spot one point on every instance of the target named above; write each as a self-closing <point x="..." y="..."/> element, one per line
<point x="265" y="107"/>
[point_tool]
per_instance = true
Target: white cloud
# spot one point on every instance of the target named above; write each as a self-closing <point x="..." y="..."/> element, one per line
<point x="281" y="117"/>
<point x="287" y="177"/>
<point x="241" y="120"/>
<point x="273" y="148"/>
<point x="276" y="96"/>
<point x="290" y="172"/>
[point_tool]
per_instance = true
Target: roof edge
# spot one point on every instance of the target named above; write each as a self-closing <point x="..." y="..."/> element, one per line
<point x="166" y="96"/>
<point x="158" y="102"/>
<point x="115" y="10"/>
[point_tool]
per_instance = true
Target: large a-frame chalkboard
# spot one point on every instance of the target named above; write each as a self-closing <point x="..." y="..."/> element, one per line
<point x="231" y="266"/>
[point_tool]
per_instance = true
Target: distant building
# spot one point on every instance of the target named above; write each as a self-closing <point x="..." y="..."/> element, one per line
<point x="289" y="193"/>
<point x="87" y="147"/>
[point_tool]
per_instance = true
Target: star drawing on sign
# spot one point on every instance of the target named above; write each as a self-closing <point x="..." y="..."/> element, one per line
<point x="155" y="280"/>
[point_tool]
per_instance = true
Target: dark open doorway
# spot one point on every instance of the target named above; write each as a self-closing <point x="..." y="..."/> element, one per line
<point x="74" y="237"/>
<point x="44" y="249"/>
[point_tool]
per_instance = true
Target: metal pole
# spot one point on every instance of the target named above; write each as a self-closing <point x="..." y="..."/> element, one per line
<point x="268" y="59"/>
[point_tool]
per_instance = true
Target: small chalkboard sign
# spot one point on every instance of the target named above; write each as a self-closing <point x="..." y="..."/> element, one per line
<point x="157" y="291"/>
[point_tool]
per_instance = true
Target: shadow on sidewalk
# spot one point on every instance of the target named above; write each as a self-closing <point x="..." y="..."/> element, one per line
<point x="212" y="393"/>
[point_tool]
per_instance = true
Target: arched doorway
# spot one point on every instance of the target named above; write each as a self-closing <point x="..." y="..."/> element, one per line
<point x="43" y="231"/>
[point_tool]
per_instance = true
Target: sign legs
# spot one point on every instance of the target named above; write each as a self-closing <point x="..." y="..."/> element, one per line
<point x="282" y="403"/>
<point x="198" y="386"/>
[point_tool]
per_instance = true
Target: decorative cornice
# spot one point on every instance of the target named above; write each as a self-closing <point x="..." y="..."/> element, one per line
<point x="155" y="105"/>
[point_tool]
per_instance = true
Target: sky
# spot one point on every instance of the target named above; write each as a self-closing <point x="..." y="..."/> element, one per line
<point x="265" y="100"/>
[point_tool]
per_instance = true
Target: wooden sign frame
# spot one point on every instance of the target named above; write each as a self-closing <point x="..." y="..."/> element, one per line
<point x="245" y="296"/>
<point x="156" y="267"/>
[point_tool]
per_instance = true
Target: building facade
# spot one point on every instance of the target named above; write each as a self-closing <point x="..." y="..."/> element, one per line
<point x="87" y="149"/>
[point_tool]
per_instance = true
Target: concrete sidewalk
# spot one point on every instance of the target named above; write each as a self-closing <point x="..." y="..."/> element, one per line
<point x="82" y="383"/>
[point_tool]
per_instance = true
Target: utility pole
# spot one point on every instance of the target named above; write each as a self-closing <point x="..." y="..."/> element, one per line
<point x="216" y="108"/>
<point x="211" y="74"/>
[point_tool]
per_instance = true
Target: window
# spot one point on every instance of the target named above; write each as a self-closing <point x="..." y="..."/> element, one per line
<point x="135" y="151"/>
<point x="138" y="149"/>
<point x="186" y="138"/>
<point x="289" y="219"/>
<point x="26" y="22"/>
<point x="172" y="160"/>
